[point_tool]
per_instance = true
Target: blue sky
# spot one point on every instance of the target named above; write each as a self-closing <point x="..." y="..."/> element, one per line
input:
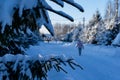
<point x="90" y="7"/>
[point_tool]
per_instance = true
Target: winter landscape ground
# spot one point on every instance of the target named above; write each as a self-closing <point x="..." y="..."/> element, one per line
<point x="99" y="62"/>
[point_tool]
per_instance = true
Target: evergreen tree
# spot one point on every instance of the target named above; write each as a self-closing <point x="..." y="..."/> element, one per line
<point x="93" y="28"/>
<point x="77" y="32"/>
<point x="109" y="12"/>
<point x="19" y="28"/>
<point x="19" y="24"/>
<point x="111" y="19"/>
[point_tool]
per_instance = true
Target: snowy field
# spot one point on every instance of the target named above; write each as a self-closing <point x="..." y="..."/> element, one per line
<point x="99" y="62"/>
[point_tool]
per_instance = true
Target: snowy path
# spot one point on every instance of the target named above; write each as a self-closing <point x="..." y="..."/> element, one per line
<point x="99" y="68"/>
<point x="99" y="62"/>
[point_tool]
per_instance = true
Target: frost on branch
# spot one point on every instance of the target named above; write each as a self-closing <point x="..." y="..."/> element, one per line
<point x="21" y="67"/>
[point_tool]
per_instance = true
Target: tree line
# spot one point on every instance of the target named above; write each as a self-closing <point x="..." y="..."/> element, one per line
<point x="100" y="29"/>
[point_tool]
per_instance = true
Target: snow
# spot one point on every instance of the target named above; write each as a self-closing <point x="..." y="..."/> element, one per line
<point x="10" y="59"/>
<point x="25" y="5"/>
<point x="116" y="41"/>
<point x="7" y="9"/>
<point x="99" y="62"/>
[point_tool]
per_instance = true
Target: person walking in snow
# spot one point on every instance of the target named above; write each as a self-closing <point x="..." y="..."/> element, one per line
<point x="80" y="46"/>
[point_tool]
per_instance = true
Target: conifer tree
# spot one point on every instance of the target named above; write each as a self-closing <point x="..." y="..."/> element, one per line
<point x="20" y="27"/>
<point x="19" y="24"/>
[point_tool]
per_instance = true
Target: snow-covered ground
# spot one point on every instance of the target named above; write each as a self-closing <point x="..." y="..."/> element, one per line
<point x="99" y="62"/>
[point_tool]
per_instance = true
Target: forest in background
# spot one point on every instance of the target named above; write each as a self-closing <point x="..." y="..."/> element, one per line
<point x="100" y="30"/>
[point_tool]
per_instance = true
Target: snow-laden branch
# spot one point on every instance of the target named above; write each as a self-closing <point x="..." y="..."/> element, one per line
<point x="71" y="2"/>
<point x="61" y="13"/>
<point x="18" y="67"/>
<point x="59" y="2"/>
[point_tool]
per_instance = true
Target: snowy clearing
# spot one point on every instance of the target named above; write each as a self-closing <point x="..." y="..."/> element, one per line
<point x="99" y="62"/>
